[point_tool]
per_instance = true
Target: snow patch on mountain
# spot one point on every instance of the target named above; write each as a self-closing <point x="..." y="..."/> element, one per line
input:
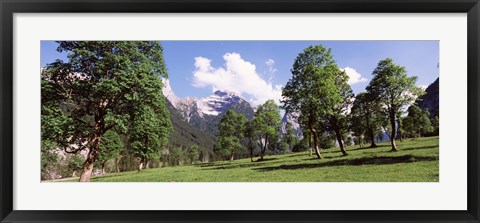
<point x="168" y="92"/>
<point x="186" y="106"/>
<point x="213" y="105"/>
<point x="216" y="103"/>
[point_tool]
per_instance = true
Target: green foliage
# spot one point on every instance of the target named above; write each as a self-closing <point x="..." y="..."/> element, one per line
<point x="252" y="137"/>
<point x="326" y="141"/>
<point x="290" y="138"/>
<point x="176" y="156"/>
<point x="150" y="132"/>
<point x="283" y="147"/>
<point x="231" y="128"/>
<point x="48" y="159"/>
<point x="266" y="124"/>
<point x="316" y="90"/>
<point x="74" y="165"/>
<point x="98" y="89"/>
<point x="127" y="161"/>
<point x="232" y="124"/>
<point x="55" y="126"/>
<point x="301" y="146"/>
<point x="228" y="145"/>
<point x="193" y="153"/>
<point x="393" y="89"/>
<point x="312" y="89"/>
<point x="110" y="146"/>
<point x="366" y="118"/>
<point x="436" y="126"/>
<point x="338" y="122"/>
<point x="184" y="135"/>
<point x="417" y="123"/>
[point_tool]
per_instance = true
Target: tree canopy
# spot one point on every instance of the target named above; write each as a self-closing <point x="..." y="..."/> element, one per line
<point x="231" y="128"/>
<point x="110" y="147"/>
<point x="417" y="123"/>
<point x="366" y="118"/>
<point x="149" y="133"/>
<point x="393" y="89"/>
<point x="312" y="90"/>
<point x="97" y="89"/>
<point x="267" y="124"/>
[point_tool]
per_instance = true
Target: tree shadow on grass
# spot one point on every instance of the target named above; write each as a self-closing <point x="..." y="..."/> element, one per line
<point x="247" y="165"/>
<point x="399" y="150"/>
<point x="295" y="154"/>
<point x="212" y="164"/>
<point x="354" y="162"/>
<point x="415" y="148"/>
<point x="337" y="150"/>
<point x="219" y="166"/>
<point x="314" y="157"/>
<point x="265" y="159"/>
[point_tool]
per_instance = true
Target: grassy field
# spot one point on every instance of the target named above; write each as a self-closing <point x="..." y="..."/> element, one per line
<point x="416" y="161"/>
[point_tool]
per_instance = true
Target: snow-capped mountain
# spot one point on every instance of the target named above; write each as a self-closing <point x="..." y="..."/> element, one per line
<point x="206" y="113"/>
<point x="291" y="118"/>
<point x="217" y="103"/>
<point x="185" y="106"/>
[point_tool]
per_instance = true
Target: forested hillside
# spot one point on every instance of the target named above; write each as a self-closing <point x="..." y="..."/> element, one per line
<point x="185" y="135"/>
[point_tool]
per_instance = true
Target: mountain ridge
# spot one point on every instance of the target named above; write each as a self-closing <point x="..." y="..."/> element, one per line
<point x="205" y="113"/>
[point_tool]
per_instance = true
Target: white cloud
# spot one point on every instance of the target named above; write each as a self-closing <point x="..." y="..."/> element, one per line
<point x="238" y="76"/>
<point x="354" y="76"/>
<point x="271" y="63"/>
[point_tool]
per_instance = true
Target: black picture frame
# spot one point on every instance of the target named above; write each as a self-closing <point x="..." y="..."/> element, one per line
<point x="9" y="7"/>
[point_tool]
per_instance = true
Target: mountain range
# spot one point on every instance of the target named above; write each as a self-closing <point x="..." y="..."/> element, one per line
<point x="194" y="118"/>
<point x="205" y="113"/>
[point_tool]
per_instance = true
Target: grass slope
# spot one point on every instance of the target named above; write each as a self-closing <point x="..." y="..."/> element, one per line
<point x="416" y="161"/>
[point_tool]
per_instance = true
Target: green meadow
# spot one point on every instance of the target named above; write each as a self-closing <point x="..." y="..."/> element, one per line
<point x="416" y="161"/>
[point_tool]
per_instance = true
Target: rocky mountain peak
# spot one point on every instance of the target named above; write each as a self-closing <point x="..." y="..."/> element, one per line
<point x="291" y="118"/>
<point x="205" y="113"/>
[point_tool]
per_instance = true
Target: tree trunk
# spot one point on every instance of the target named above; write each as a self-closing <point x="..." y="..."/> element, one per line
<point x="231" y="157"/>
<point x="340" y="142"/>
<point x="251" y="154"/>
<point x="394" y="132"/>
<point x="372" y="138"/>
<point x="103" y="167"/>
<point x="87" y="170"/>
<point x="117" y="167"/>
<point x="262" y="152"/>
<point x="95" y="144"/>
<point x="90" y="161"/>
<point x="141" y="164"/>
<point x="400" y="131"/>
<point x="310" y="147"/>
<point x="315" y="143"/>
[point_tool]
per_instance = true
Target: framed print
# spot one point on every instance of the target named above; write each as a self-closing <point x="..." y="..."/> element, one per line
<point x="233" y="111"/>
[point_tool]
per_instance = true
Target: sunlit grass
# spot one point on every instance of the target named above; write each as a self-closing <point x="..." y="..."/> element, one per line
<point x="416" y="161"/>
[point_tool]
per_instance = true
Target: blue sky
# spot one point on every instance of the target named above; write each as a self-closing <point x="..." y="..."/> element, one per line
<point x="196" y="68"/>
